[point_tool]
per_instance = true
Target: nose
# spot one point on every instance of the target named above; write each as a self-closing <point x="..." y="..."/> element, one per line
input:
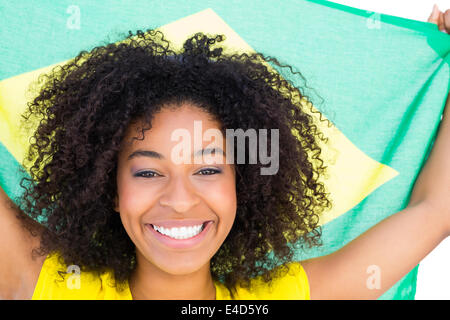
<point x="179" y="195"/>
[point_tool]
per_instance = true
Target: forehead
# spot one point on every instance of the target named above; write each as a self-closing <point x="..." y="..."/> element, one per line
<point x="168" y="122"/>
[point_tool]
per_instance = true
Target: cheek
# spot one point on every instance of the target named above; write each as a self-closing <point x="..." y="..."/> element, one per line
<point x="134" y="200"/>
<point x="221" y="198"/>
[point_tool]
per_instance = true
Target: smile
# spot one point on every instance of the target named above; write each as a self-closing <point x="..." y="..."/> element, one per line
<point x="181" y="236"/>
<point x="180" y="233"/>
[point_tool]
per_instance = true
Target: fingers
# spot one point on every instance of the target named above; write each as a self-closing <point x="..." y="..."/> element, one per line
<point x="447" y="20"/>
<point x="441" y="19"/>
<point x="434" y="16"/>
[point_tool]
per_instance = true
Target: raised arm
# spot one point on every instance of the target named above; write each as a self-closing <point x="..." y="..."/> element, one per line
<point x="18" y="271"/>
<point x="372" y="263"/>
<point x="389" y="250"/>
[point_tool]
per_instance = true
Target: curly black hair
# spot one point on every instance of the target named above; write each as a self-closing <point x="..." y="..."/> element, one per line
<point x="84" y="108"/>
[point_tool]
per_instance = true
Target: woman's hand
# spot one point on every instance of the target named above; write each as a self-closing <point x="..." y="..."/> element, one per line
<point x="442" y="19"/>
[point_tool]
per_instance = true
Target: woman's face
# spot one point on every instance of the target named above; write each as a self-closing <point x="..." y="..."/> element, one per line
<point x="177" y="213"/>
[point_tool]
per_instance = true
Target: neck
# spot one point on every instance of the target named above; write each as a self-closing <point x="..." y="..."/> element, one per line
<point x="148" y="282"/>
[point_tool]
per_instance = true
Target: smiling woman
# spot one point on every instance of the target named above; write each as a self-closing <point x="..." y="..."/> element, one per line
<point x="130" y="222"/>
<point x="141" y="225"/>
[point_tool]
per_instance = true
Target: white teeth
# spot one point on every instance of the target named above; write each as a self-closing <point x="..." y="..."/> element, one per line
<point x="180" y="233"/>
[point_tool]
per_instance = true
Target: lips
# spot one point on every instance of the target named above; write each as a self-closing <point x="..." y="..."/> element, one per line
<point x="178" y="223"/>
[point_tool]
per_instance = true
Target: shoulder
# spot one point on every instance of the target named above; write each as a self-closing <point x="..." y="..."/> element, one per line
<point x="289" y="282"/>
<point x="58" y="281"/>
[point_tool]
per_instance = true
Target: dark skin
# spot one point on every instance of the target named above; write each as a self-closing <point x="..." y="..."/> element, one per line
<point x="174" y="193"/>
<point x="394" y="239"/>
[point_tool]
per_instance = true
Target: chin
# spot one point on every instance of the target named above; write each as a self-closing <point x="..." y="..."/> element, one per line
<point x="178" y="263"/>
<point x="180" y="269"/>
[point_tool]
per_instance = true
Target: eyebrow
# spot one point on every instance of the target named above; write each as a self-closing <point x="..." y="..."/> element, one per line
<point x="209" y="151"/>
<point x="156" y="155"/>
<point x="145" y="153"/>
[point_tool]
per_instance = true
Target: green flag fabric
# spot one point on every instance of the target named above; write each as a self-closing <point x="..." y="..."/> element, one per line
<point x="381" y="80"/>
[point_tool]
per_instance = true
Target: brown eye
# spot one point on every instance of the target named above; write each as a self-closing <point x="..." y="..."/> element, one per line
<point x="146" y="174"/>
<point x="208" y="172"/>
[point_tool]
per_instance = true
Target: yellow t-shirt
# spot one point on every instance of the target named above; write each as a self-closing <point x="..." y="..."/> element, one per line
<point x="58" y="282"/>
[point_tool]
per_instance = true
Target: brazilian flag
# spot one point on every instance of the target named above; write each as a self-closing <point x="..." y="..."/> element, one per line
<point x="380" y="80"/>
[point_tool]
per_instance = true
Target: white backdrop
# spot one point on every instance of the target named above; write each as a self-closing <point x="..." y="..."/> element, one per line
<point x="433" y="280"/>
